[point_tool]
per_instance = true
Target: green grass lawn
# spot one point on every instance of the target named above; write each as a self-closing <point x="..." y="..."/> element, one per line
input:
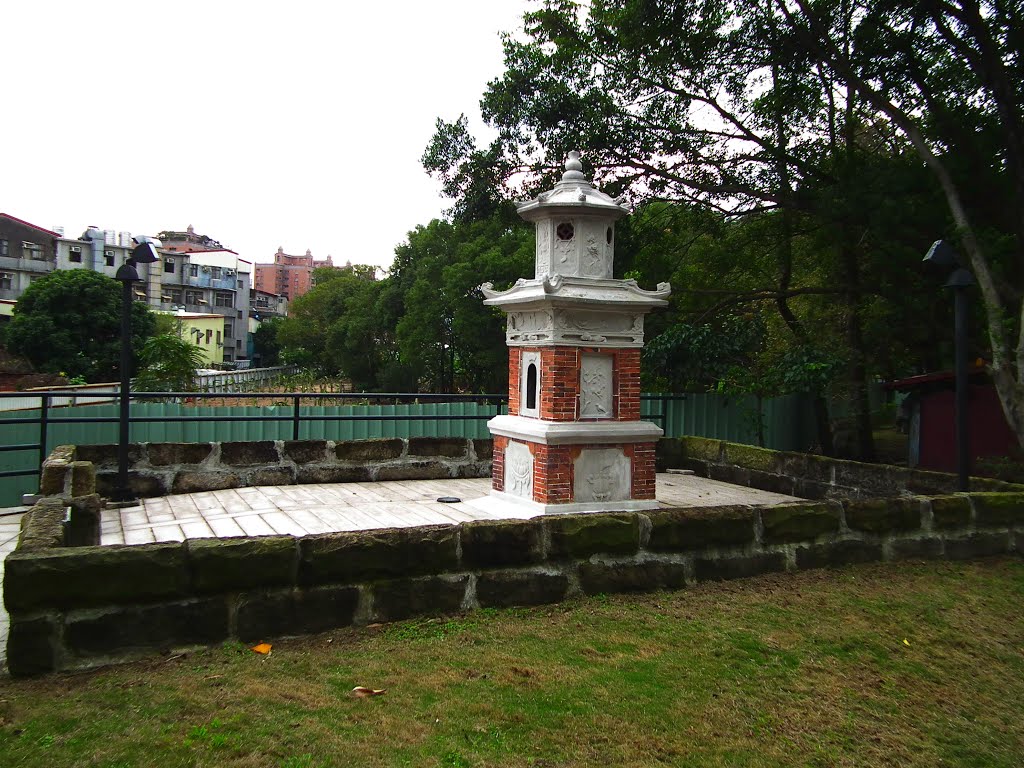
<point x="910" y="665"/>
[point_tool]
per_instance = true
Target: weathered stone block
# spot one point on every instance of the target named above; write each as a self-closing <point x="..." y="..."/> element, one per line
<point x="106" y="455"/>
<point x="306" y="451"/>
<point x="927" y="548"/>
<point x="452" y="447"/>
<point x="42" y="527"/>
<point x="483" y="448"/>
<point x="194" y="481"/>
<point x="580" y="536"/>
<point x="698" y="467"/>
<point x="83" y="576"/>
<point x="473" y="469"/>
<point x="751" y="457"/>
<point x="177" y="454"/>
<point x="32" y="646"/>
<point x="845" y="552"/>
<point x="265" y="615"/>
<point x="702" y="448"/>
<point x="926" y="483"/>
<point x="319" y="609"/>
<point x="503" y="589"/>
<point x="140" y="484"/>
<point x="432" y="548"/>
<point x="369" y="450"/>
<point x="247" y="454"/>
<point x="767" y="481"/>
<point x="501" y="543"/>
<point x="669" y="453"/>
<point x="83" y="526"/>
<point x="953" y="511"/>
<point x="83" y="478"/>
<point x="401" y="599"/>
<point x="110" y="631"/>
<point x="600" y="578"/>
<point x="729" y="473"/>
<point x="977" y="545"/>
<point x="673" y="530"/>
<point x="874" y="479"/>
<point x="413" y="470"/>
<point x="812" y="489"/>
<point x="359" y="556"/>
<point x="331" y="474"/>
<point x="883" y="515"/>
<point x="724" y="568"/>
<point x="220" y="565"/>
<point x="279" y="613"/>
<point x="270" y="476"/>
<point x="799" y="521"/>
<point x="53" y="478"/>
<point x="996" y="510"/>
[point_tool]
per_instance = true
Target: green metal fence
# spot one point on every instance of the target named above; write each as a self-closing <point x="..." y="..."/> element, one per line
<point x="788" y="423"/>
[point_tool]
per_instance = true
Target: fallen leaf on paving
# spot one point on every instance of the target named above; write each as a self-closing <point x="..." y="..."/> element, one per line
<point x="263" y="648"/>
<point x="905" y="641"/>
<point x="363" y="692"/>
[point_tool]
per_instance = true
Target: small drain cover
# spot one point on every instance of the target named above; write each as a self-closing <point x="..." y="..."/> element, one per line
<point x="449" y="500"/>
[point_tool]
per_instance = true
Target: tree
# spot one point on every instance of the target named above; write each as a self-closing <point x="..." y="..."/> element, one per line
<point x="265" y="341"/>
<point x="70" y="321"/>
<point x="738" y="107"/>
<point x="168" y="363"/>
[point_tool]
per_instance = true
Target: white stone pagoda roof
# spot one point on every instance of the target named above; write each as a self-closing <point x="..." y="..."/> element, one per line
<point x="558" y="290"/>
<point x="574" y="192"/>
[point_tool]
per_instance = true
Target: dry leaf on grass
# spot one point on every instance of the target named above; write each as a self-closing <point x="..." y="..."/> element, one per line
<point x="362" y="692"/>
<point x="263" y="648"/>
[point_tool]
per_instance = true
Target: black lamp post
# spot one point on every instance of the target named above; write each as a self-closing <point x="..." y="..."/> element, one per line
<point x="942" y="255"/>
<point x="127" y="274"/>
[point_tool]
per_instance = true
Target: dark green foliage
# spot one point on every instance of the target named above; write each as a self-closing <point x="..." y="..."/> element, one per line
<point x="70" y="321"/>
<point x="168" y="363"/>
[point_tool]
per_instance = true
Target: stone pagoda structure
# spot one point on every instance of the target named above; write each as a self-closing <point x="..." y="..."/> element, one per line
<point x="573" y="440"/>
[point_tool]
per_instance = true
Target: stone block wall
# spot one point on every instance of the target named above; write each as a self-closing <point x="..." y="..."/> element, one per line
<point x="80" y="607"/>
<point x="158" y="469"/>
<point x="806" y="475"/>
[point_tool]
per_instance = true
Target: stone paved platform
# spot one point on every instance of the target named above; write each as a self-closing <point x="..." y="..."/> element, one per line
<point x="304" y="509"/>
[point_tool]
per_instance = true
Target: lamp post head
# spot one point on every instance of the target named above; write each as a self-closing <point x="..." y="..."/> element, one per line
<point x="942" y="255"/>
<point x="144" y="252"/>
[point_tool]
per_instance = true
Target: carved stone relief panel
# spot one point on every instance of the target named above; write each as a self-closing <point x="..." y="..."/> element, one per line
<point x="601" y="474"/>
<point x="518" y="470"/>
<point x="596" y="372"/>
<point x="531" y="326"/>
<point x="594" y="250"/>
<point x="543" y="266"/>
<point x="575" y="326"/>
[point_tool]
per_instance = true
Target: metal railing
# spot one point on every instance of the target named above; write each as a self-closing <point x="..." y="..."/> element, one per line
<point x="53" y="405"/>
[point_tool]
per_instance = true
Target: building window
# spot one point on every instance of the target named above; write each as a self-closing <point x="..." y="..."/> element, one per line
<point x="194" y="297"/>
<point x="175" y="295"/>
<point x="33" y="278"/>
<point x="238" y="284"/>
<point x="75" y="257"/>
<point x="169" y="266"/>
<point x="6" y="281"/>
<point x="215" y="273"/>
<point x="31" y="250"/>
<point x="229" y="329"/>
<point x="209" y="335"/>
<point x="108" y="258"/>
<point x="193" y="270"/>
<point x="223" y="299"/>
<point x="219" y="339"/>
<point x="239" y="314"/>
<point x="3" y="247"/>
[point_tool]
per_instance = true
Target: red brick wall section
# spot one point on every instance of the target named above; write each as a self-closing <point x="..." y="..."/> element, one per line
<point x="559" y="383"/>
<point x="552" y="473"/>
<point x="643" y="472"/>
<point x="627" y="375"/>
<point x="498" y="463"/>
<point x="514" y="354"/>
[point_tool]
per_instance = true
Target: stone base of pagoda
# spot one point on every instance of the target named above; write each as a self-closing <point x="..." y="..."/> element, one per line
<point x="574" y="467"/>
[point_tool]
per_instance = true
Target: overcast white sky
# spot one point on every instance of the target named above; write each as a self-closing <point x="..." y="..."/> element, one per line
<point x="262" y="124"/>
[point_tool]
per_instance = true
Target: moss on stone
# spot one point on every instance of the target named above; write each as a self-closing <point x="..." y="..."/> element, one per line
<point x="220" y="565"/>
<point x="952" y="511"/>
<point x="883" y="515"/>
<point x="674" y="530"/>
<point x="580" y="536"/>
<point x="701" y="448"/>
<point x="500" y="543"/>
<point x="177" y="454"/>
<point x="799" y="522"/>
<point x="751" y="457"/>
<point x="369" y="450"/>
<point x="998" y="509"/>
